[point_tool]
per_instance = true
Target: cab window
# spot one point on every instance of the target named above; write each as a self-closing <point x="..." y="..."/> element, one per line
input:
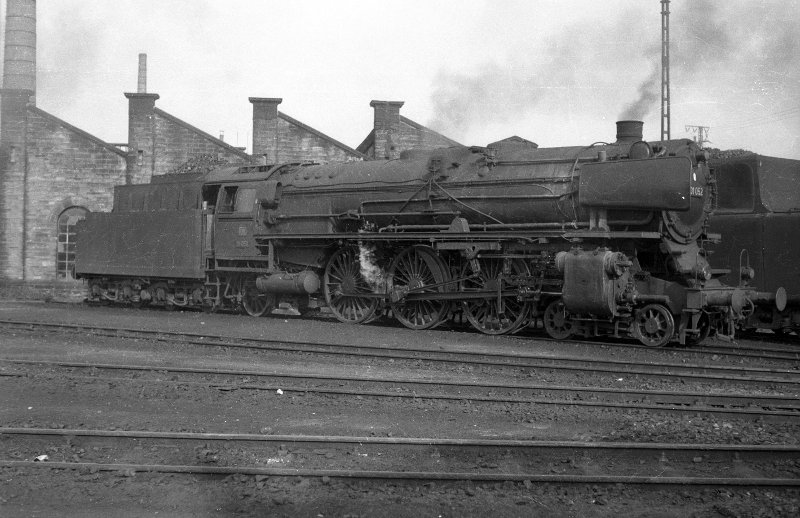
<point x="245" y="200"/>
<point x="735" y="189"/>
<point x="228" y="199"/>
<point x="236" y="199"/>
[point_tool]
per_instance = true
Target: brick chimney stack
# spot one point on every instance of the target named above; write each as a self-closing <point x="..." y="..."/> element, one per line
<point x="19" y="89"/>
<point x="141" y="88"/>
<point x="387" y="128"/>
<point x="141" y="130"/>
<point x="19" y="72"/>
<point x="265" y="128"/>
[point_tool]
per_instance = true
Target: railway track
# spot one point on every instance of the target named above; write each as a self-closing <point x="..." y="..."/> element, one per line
<point x="789" y="377"/>
<point x="729" y="349"/>
<point x="748" y="406"/>
<point x="562" y="462"/>
<point x="699" y="353"/>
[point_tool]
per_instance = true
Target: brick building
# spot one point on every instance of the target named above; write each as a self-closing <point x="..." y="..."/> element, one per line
<point x="392" y="133"/>
<point x="52" y="173"/>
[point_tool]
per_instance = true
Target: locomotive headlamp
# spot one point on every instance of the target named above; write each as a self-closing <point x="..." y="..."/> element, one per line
<point x="704" y="272"/>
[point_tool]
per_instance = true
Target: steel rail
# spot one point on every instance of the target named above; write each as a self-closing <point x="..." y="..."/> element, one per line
<point x="407" y="475"/>
<point x="407" y="441"/>
<point x="671" y="406"/>
<point x="771" y="354"/>
<point x="522" y="360"/>
<point x="656" y="397"/>
<point x="768" y="353"/>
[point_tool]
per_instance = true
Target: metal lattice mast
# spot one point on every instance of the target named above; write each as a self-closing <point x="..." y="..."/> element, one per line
<point x="665" y="133"/>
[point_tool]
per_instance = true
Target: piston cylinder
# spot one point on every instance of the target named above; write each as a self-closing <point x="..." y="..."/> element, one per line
<point x="302" y="283"/>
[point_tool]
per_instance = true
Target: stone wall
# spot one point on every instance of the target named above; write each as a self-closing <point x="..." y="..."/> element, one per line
<point x="13" y="104"/>
<point x="297" y="142"/>
<point x="392" y="134"/>
<point x="159" y="142"/>
<point x="67" y="167"/>
<point x="46" y="291"/>
<point x="176" y="142"/>
<point x="279" y="138"/>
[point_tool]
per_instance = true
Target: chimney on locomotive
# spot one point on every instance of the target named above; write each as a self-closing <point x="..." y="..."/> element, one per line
<point x="629" y="131"/>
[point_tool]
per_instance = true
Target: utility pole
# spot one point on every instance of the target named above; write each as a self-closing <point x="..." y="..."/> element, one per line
<point x="665" y="133"/>
<point x="701" y="134"/>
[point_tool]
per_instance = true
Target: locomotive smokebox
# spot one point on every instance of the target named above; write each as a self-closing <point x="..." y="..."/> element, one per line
<point x="629" y="131"/>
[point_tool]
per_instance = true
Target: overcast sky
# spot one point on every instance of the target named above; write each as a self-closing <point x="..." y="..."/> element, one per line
<point x="557" y="72"/>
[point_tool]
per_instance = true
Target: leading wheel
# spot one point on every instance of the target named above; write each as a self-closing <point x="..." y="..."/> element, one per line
<point x="343" y="283"/>
<point x="415" y="273"/>
<point x="556" y="321"/>
<point x="494" y="315"/>
<point x="653" y="325"/>
<point x="255" y="302"/>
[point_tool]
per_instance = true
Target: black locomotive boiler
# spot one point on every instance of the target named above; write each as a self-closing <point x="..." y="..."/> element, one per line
<point x="604" y="239"/>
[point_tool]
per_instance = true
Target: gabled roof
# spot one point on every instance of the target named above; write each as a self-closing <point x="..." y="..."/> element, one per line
<point x="73" y="129"/>
<point x="370" y="139"/>
<point x="416" y="125"/>
<point x="207" y="136"/>
<point x="305" y="127"/>
<point x="515" y="139"/>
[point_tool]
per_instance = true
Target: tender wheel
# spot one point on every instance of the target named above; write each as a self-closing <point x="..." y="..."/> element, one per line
<point x="95" y="292"/>
<point x="653" y="325"/>
<point x="489" y="315"/>
<point x="141" y="299"/>
<point x="556" y="321"/>
<point x="342" y="283"/>
<point x="417" y="271"/>
<point x="159" y="291"/>
<point x="255" y="302"/>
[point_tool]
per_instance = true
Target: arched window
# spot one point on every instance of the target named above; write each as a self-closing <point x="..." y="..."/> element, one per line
<point x="65" y="254"/>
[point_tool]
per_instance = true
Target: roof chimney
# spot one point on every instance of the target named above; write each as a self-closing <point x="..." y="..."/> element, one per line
<point x="20" y="47"/>
<point x="266" y="128"/>
<point x="142" y="84"/>
<point x="629" y="131"/>
<point x="386" y="128"/>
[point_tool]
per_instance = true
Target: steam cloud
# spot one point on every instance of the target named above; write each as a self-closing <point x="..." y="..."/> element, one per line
<point x="706" y="37"/>
<point x="370" y="270"/>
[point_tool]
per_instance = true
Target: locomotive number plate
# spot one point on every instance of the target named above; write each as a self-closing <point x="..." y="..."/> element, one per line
<point x="696" y="191"/>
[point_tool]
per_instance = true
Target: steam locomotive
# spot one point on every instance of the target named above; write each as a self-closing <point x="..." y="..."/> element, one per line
<point x="604" y="239"/>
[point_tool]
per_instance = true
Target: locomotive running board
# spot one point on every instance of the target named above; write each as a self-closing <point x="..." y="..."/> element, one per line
<point x="593" y="234"/>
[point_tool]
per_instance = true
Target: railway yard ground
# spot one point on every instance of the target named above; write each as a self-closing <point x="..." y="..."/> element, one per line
<point x="145" y="412"/>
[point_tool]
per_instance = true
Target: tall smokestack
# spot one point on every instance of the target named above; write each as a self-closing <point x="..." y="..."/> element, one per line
<point x="142" y="85"/>
<point x="629" y="131"/>
<point x="19" y="72"/>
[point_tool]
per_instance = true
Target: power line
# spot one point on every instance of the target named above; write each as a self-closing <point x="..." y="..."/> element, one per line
<point x="701" y="134"/>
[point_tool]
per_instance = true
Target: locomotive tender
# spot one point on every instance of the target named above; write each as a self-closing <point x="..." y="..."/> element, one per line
<point x="605" y="239"/>
<point x="758" y="215"/>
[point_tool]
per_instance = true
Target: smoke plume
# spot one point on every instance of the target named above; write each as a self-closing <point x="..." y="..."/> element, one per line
<point x="758" y="42"/>
<point x="649" y="95"/>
